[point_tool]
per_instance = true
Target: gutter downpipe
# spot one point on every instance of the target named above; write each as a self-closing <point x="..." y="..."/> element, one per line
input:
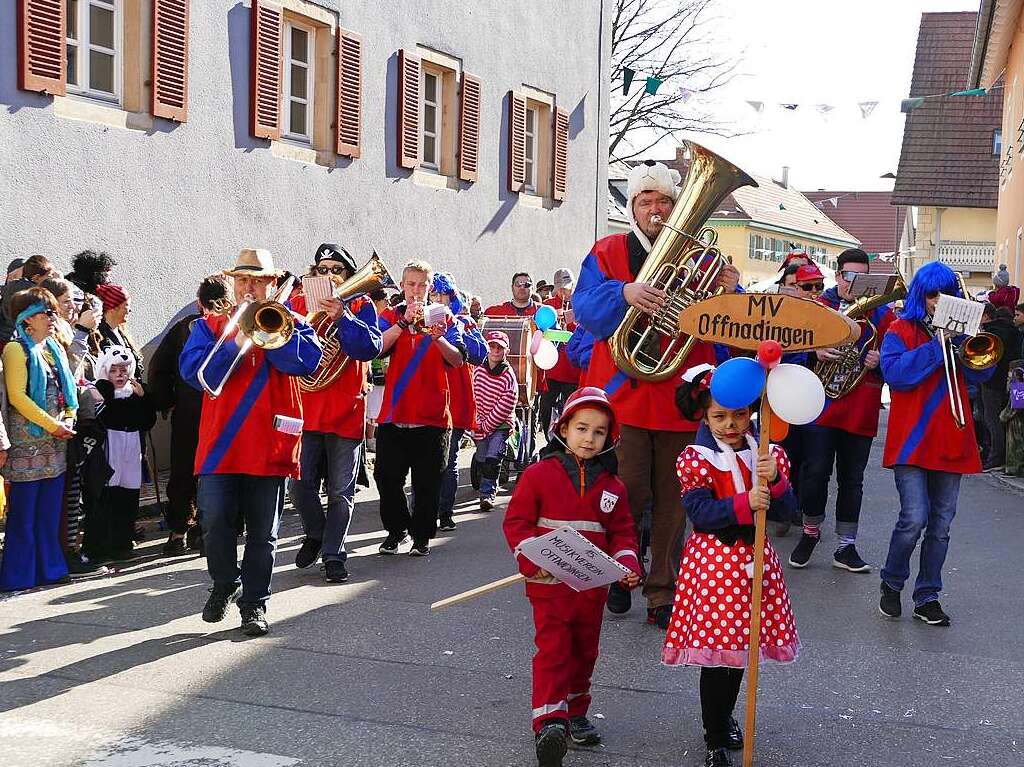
<point x="982" y="33"/>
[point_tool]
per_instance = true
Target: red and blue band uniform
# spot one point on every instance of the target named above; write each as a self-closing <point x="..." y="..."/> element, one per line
<point x="414" y="427"/>
<point x="509" y="309"/>
<point x="243" y="456"/>
<point x="927" y="452"/>
<point x="561" y="380"/>
<point x="841" y="437"/>
<point x="332" y="435"/>
<point x="654" y="433"/>
<point x="567" y="623"/>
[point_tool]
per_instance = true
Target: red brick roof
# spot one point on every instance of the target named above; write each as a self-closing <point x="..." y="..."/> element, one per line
<point x="947" y="155"/>
<point x="869" y="216"/>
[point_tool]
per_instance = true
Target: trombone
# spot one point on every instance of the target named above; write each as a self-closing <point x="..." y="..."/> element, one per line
<point x="267" y="324"/>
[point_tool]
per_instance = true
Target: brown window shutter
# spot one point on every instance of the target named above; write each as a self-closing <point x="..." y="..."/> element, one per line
<point x="560" y="153"/>
<point x="348" y="121"/>
<point x="516" y="141"/>
<point x="469" y="128"/>
<point x="408" y="110"/>
<point x="265" y="70"/>
<point x="170" y="59"/>
<point x="42" y="55"/>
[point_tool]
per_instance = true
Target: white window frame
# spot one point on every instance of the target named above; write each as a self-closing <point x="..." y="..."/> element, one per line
<point x="436" y="130"/>
<point x="530" y="154"/>
<point x="286" y="86"/>
<point x="84" y="45"/>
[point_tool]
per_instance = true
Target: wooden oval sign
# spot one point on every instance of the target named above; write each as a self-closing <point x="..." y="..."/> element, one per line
<point x="744" y="320"/>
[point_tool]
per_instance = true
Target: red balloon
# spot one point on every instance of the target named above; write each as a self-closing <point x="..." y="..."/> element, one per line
<point x="769" y="354"/>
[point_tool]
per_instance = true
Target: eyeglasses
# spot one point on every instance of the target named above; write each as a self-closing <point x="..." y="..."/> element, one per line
<point x="849" y="276"/>
<point x="524" y="285"/>
<point x="811" y="287"/>
<point x="330" y="270"/>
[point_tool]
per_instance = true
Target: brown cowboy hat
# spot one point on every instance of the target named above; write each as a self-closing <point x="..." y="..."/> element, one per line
<point x="253" y="262"/>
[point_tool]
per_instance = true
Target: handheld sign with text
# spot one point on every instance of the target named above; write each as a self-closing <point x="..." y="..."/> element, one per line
<point x="572" y="559"/>
<point x="744" y="320"/>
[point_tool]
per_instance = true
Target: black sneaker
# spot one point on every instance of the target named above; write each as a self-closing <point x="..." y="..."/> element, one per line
<point x="486" y="504"/>
<point x="254" y="620"/>
<point x="175" y="547"/>
<point x="308" y="553"/>
<point x="735" y="737"/>
<point x="447" y="524"/>
<point x="802" y="553"/>
<point x="660" y="616"/>
<point x="551" y="744"/>
<point x="932" y="614"/>
<point x="847" y="558"/>
<point x="619" y="599"/>
<point x="583" y="732"/>
<point x="889" y="604"/>
<point x="217" y="605"/>
<point x="717" y="757"/>
<point x="124" y="555"/>
<point x="79" y="566"/>
<point x="391" y="543"/>
<point x="335" y="571"/>
<point x="419" y="549"/>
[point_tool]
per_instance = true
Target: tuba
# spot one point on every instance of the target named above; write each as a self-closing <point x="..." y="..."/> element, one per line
<point x="840" y="376"/>
<point x="371" y="276"/>
<point x="684" y="262"/>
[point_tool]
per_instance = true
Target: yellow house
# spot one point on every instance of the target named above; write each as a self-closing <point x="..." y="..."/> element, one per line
<point x="949" y="163"/>
<point x="998" y="56"/>
<point x="756" y="226"/>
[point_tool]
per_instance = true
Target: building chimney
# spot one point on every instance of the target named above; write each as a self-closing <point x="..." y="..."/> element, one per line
<point x="785" y="176"/>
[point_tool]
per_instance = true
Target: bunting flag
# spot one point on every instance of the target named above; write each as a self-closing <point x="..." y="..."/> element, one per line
<point x="653" y="83"/>
<point x="970" y="92"/>
<point x="685" y="94"/>
<point x="824" y="109"/>
<point x="907" y="104"/>
<point x="834" y="201"/>
<point x="866" y="108"/>
<point x="757" y="106"/>
<point x="627" y="79"/>
<point x="790" y="107"/>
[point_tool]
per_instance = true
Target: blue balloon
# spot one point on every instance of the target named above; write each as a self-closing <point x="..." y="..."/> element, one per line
<point x="737" y="382"/>
<point x="545" y="317"/>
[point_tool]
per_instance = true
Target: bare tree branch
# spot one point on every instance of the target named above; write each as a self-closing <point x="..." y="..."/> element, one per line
<point x="673" y="41"/>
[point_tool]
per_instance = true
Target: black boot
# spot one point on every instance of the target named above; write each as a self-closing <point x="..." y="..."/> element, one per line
<point x="619" y="599"/>
<point x="551" y="744"/>
<point x="717" y="757"/>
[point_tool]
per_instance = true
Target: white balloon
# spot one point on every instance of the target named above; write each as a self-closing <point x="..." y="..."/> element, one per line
<point x="546" y="356"/>
<point x="795" y="394"/>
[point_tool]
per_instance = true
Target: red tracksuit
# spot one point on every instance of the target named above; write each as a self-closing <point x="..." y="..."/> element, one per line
<point x="567" y="623"/>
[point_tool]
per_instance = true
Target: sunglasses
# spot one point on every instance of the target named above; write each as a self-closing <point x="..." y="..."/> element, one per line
<point x="330" y="270"/>
<point x="811" y="287"/>
<point x="524" y="284"/>
<point x="849" y="276"/>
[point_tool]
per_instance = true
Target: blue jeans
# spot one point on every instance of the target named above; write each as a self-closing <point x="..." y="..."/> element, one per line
<point x="33" y="554"/>
<point x="927" y="503"/>
<point x="339" y="457"/>
<point x="226" y="499"/>
<point x="488" y="454"/>
<point x="450" y="478"/>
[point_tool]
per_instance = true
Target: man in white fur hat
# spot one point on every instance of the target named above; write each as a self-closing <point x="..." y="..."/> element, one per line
<point x="653" y="431"/>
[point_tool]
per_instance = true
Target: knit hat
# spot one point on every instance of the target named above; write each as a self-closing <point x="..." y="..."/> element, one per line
<point x="15" y="264"/>
<point x="650" y="176"/>
<point x="1001" y="278"/>
<point x="592" y="397"/>
<point x="112" y="296"/>
<point x="564" y="278"/>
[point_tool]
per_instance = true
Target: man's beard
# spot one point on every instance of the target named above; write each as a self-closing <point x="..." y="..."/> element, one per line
<point x="652" y="231"/>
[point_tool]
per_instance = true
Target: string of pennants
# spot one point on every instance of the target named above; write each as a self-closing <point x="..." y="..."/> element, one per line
<point x="653" y="84"/>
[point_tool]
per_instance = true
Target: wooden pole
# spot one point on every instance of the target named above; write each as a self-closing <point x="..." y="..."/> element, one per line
<point x="487" y="588"/>
<point x="754" y="660"/>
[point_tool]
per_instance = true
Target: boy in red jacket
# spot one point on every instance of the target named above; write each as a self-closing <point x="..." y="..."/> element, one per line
<point x="574" y="484"/>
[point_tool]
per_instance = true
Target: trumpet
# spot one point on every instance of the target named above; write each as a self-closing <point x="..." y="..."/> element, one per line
<point x="267" y="324"/>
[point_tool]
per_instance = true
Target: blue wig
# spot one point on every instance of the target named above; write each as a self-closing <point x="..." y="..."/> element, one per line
<point x="933" y="276"/>
<point x="445" y="283"/>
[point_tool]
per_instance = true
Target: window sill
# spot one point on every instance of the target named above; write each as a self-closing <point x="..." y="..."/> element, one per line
<point x="433" y="180"/>
<point x="289" y="150"/>
<point x="89" y="110"/>
<point x="530" y="200"/>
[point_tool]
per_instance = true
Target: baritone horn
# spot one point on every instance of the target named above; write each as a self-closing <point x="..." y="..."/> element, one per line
<point x="267" y="324"/>
<point x="684" y="262"/>
<point x="373" y="275"/>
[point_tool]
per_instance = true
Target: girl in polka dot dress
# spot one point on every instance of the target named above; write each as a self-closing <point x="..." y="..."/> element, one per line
<point x="711" y="615"/>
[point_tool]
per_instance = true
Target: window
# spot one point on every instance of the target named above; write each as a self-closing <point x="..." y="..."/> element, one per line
<point x="530" y="135"/>
<point x="297" y="94"/>
<point x="430" y="142"/>
<point x="93" y="40"/>
<point x="997" y="142"/>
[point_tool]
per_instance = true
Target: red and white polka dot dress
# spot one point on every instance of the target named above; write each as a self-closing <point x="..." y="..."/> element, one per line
<point x="710" y="623"/>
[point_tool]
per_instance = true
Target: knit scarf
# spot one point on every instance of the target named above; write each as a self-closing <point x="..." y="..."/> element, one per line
<point x="35" y="360"/>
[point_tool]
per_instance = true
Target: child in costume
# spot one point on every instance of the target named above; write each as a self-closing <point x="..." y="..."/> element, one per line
<point x="711" y="615"/>
<point x="496" y="392"/>
<point x="574" y="484"/>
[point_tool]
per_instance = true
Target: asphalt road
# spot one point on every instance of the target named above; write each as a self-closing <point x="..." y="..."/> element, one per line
<point x="121" y="671"/>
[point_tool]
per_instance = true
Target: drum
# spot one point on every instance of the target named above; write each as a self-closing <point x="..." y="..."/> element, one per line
<point x="519" y="331"/>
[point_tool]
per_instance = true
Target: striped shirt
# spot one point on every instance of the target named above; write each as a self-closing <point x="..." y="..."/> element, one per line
<point x="495" y="393"/>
